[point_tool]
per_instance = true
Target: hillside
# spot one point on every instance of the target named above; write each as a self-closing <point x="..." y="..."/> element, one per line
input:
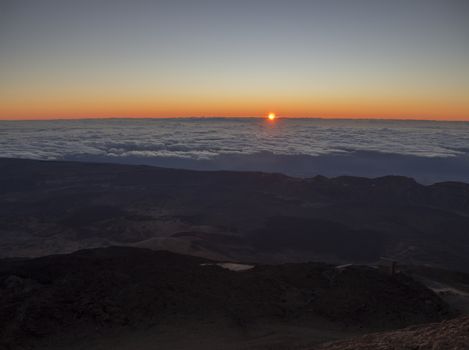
<point x="51" y="207"/>
<point x="65" y="301"/>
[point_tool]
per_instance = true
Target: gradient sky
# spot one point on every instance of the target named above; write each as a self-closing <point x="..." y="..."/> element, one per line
<point x="315" y="58"/>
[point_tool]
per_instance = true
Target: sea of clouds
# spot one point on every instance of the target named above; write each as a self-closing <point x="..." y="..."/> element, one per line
<point x="427" y="151"/>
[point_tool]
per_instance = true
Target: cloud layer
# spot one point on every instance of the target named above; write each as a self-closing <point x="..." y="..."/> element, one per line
<point x="429" y="151"/>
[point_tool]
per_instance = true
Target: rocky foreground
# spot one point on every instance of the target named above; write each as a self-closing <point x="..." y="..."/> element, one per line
<point x="96" y="293"/>
<point x="447" y="335"/>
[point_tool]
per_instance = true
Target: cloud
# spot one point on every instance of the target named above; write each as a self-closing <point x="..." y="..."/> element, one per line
<point x="428" y="151"/>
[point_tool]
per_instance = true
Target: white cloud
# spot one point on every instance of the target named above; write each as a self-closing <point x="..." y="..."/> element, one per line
<point x="195" y="140"/>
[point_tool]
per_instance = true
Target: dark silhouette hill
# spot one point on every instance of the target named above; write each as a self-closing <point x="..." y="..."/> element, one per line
<point x="67" y="299"/>
<point x="49" y="207"/>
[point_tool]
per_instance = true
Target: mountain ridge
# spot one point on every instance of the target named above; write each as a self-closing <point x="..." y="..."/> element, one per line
<point x="50" y="207"/>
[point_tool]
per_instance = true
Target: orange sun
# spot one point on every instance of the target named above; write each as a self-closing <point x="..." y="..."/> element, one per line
<point x="271" y="116"/>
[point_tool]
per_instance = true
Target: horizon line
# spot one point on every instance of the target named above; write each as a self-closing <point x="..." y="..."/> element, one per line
<point x="235" y="117"/>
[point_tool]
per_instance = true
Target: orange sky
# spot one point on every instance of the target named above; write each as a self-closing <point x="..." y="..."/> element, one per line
<point x="329" y="59"/>
<point x="237" y="106"/>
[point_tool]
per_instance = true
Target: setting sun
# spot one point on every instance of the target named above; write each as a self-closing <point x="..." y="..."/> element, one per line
<point x="271" y="116"/>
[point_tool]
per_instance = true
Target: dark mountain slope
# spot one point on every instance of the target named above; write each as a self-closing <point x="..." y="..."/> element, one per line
<point x="59" y="207"/>
<point x="96" y="292"/>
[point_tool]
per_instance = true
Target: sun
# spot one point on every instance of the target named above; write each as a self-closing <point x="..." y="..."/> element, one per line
<point x="271" y="116"/>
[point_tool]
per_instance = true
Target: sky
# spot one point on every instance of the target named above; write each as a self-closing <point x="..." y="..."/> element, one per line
<point x="402" y="59"/>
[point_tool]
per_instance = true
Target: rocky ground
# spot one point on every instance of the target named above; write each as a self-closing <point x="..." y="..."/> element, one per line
<point x="95" y="294"/>
<point x="447" y="335"/>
